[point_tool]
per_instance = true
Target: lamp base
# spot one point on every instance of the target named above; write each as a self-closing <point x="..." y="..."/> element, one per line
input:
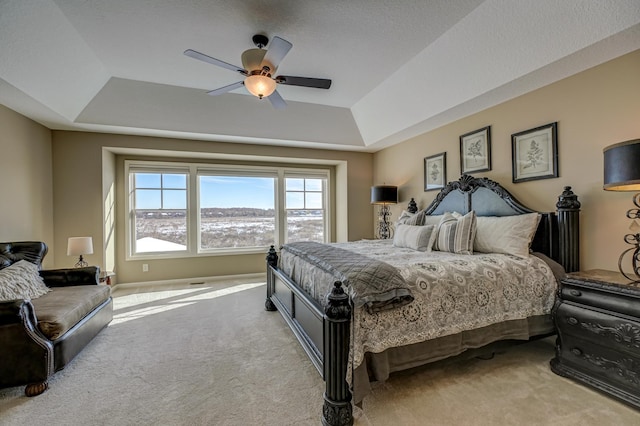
<point x="634" y="261"/>
<point x="81" y="263"/>
<point x="385" y="229"/>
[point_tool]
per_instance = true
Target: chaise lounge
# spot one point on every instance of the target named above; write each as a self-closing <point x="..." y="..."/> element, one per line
<point x="41" y="332"/>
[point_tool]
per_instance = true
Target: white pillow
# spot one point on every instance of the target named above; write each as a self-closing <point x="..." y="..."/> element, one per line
<point x="21" y="280"/>
<point x="431" y="220"/>
<point x="506" y="234"/>
<point x="407" y="218"/>
<point x="414" y="237"/>
<point x="456" y="235"/>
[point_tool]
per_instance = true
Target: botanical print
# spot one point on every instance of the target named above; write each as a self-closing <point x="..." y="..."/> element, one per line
<point x="435" y="172"/>
<point x="475" y="151"/>
<point x="535" y="153"/>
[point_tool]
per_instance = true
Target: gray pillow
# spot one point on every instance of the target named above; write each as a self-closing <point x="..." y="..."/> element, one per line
<point x="414" y="237"/>
<point x="456" y="235"/>
<point x="407" y="218"/>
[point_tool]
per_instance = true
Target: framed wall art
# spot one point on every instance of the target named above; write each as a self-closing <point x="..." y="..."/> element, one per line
<point x="435" y="171"/>
<point x="475" y="151"/>
<point x="534" y="153"/>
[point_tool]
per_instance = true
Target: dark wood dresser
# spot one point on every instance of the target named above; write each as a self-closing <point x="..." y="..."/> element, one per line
<point x="597" y="316"/>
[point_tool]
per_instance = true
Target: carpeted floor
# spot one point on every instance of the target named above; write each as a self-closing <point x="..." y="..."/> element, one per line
<point x="210" y="355"/>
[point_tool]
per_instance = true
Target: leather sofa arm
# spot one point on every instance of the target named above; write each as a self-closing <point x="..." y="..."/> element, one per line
<point x="89" y="275"/>
<point x="13" y="311"/>
<point x="26" y="355"/>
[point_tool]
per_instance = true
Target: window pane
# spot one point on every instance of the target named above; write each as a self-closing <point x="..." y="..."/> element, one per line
<point x="295" y="184"/>
<point x="305" y="225"/>
<point x="236" y="211"/>
<point x="160" y="230"/>
<point x="147" y="180"/>
<point x="313" y="200"/>
<point x="295" y="200"/>
<point x="174" y="199"/>
<point x="174" y="181"/>
<point x="148" y="199"/>
<point x="313" y="184"/>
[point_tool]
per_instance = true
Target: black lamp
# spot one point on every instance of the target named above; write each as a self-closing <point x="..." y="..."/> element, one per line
<point x="384" y="195"/>
<point x="622" y="173"/>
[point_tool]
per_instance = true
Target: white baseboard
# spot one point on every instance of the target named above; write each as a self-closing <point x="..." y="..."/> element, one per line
<point x="194" y="281"/>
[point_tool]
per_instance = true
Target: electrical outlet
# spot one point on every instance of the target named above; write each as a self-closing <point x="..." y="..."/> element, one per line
<point x="145" y="267"/>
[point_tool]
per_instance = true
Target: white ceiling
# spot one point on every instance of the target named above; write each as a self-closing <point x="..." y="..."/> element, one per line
<point x="399" y="68"/>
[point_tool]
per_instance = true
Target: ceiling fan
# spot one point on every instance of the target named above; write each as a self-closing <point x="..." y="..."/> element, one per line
<point x="259" y="66"/>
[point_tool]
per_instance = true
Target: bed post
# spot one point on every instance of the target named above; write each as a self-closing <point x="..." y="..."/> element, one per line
<point x="568" y="230"/>
<point x="337" y="410"/>
<point x="272" y="260"/>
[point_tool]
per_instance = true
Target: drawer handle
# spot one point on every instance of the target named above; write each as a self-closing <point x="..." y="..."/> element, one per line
<point x="575" y="293"/>
<point x="576" y="351"/>
<point x="572" y="321"/>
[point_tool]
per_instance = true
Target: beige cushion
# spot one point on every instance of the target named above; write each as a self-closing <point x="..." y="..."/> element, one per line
<point x="407" y="218"/>
<point x="414" y="237"/>
<point x="432" y="220"/>
<point x="64" y="307"/>
<point x="456" y="235"/>
<point x="21" y="280"/>
<point x="507" y="234"/>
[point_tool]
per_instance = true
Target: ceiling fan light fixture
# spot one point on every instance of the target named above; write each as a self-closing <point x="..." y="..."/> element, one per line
<point x="260" y="85"/>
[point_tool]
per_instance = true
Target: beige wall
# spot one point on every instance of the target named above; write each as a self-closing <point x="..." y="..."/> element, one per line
<point x="25" y="173"/>
<point x="594" y="109"/>
<point x="88" y="188"/>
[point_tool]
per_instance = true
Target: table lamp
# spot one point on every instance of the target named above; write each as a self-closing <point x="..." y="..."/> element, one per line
<point x="78" y="246"/>
<point x="384" y="195"/>
<point x="622" y="173"/>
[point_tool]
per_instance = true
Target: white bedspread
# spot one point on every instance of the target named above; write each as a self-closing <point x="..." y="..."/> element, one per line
<point x="453" y="293"/>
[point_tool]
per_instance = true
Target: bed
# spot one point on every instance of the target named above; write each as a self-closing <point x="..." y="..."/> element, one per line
<point x="403" y="305"/>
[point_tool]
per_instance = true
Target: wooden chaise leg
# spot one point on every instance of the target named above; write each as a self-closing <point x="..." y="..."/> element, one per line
<point x="272" y="260"/>
<point x="35" y="389"/>
<point x="337" y="410"/>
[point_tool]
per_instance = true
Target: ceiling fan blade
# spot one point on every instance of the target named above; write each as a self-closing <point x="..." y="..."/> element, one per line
<point x="277" y="101"/>
<point x="318" y="83"/>
<point x="278" y="49"/>
<point x="202" y="57"/>
<point x="225" y="89"/>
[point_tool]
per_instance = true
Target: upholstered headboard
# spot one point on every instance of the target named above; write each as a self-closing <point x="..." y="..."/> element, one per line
<point x="558" y="232"/>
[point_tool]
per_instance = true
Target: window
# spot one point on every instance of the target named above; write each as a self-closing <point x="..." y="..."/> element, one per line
<point x="159" y="212"/>
<point x="236" y="211"/>
<point x="194" y="209"/>
<point x="305" y="209"/>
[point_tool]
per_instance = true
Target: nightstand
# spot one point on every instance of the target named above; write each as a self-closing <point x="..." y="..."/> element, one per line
<point x="597" y="316"/>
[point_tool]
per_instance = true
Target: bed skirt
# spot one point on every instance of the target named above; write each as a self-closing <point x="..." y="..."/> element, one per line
<point x="378" y="367"/>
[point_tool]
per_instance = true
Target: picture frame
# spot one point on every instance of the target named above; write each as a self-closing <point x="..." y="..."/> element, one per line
<point x="435" y="171"/>
<point x="475" y="151"/>
<point x="534" y="153"/>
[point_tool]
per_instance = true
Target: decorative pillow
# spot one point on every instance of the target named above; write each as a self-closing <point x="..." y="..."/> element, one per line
<point x="432" y="220"/>
<point x="456" y="235"/>
<point x="21" y="281"/>
<point x="414" y="237"/>
<point x="506" y="234"/>
<point x="407" y="218"/>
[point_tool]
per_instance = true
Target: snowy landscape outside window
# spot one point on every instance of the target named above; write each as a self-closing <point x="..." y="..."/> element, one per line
<point x="160" y="213"/>
<point x="191" y="209"/>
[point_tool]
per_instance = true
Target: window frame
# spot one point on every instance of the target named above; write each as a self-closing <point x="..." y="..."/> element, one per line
<point x="194" y="170"/>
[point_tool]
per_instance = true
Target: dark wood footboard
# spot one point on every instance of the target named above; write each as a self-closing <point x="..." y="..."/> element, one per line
<point x="324" y="333"/>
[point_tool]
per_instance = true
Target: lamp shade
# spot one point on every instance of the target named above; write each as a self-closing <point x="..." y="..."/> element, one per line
<point x="622" y="166"/>
<point x="78" y="246"/>
<point x="384" y="194"/>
